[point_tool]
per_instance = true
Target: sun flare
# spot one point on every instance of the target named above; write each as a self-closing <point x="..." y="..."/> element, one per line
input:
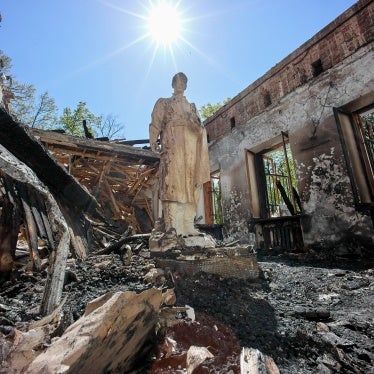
<point x="164" y="23"/>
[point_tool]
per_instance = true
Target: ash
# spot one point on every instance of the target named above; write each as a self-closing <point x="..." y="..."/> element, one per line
<point x="310" y="318"/>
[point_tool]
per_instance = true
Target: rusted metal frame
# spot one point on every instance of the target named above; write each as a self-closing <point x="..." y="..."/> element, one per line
<point x="273" y="176"/>
<point x="284" y="233"/>
<point x="285" y="135"/>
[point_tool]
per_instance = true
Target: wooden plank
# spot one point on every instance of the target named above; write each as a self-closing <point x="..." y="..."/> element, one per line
<point x="120" y="150"/>
<point x="31" y="230"/>
<point x="115" y="331"/>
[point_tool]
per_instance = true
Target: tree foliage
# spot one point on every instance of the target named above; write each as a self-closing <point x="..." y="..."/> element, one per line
<point x="42" y="112"/>
<point x="72" y="120"/>
<point x="209" y="109"/>
<point x="39" y="112"/>
<point x="33" y="111"/>
<point x="45" y="112"/>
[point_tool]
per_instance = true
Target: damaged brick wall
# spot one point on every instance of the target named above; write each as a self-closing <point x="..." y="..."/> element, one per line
<point x="297" y="97"/>
<point x="337" y="41"/>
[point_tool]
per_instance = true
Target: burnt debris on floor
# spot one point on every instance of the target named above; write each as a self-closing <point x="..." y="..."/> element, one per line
<point x="307" y="319"/>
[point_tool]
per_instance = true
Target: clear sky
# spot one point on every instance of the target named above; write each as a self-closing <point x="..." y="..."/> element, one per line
<point x="101" y="51"/>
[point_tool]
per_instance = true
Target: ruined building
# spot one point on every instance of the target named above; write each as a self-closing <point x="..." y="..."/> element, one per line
<point x="292" y="155"/>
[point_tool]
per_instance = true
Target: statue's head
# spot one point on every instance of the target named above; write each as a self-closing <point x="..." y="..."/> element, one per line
<point x="181" y="77"/>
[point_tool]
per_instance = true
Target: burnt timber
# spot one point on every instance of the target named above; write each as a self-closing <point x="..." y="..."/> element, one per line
<point x="119" y="176"/>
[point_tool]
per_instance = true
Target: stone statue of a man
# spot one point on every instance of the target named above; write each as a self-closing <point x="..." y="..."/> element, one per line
<point x="184" y="163"/>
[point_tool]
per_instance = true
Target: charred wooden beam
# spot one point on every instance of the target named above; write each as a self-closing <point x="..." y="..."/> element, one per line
<point x="31" y="230"/>
<point x="10" y="221"/>
<point x="73" y="144"/>
<point x="20" y="141"/>
<point x="27" y="184"/>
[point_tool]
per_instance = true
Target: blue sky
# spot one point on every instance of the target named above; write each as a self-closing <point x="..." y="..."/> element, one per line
<point x="97" y="51"/>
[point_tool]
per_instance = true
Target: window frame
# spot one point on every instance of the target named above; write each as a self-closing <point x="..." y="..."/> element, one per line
<point x="209" y="200"/>
<point x="360" y="177"/>
<point x="258" y="193"/>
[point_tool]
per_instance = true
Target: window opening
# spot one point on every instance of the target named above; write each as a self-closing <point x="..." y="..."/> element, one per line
<point x="365" y="125"/>
<point x="267" y="99"/>
<point x="275" y="202"/>
<point x="216" y="198"/>
<point x="232" y="122"/>
<point x="356" y="130"/>
<point x="317" y="67"/>
<point x="281" y="198"/>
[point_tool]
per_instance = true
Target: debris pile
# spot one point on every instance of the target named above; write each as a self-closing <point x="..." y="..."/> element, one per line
<point x="306" y="319"/>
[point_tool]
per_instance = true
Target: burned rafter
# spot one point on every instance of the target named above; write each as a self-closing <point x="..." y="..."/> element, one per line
<point x="121" y="177"/>
<point x="102" y="150"/>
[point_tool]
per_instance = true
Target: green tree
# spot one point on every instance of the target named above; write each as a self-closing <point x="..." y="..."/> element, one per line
<point x="44" y="112"/>
<point x="72" y="121"/>
<point x="35" y="112"/>
<point x="369" y="116"/>
<point x="209" y="109"/>
<point x="41" y="111"/>
<point x="25" y="106"/>
<point x="22" y="105"/>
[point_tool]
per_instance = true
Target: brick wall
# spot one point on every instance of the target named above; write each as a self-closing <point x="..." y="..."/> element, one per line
<point x="337" y="41"/>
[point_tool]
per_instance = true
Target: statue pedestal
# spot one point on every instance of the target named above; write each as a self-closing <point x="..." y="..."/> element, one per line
<point x="160" y="242"/>
<point x="219" y="261"/>
<point x="192" y="254"/>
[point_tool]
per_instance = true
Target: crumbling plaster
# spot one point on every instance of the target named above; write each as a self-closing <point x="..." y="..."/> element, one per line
<point x="306" y="114"/>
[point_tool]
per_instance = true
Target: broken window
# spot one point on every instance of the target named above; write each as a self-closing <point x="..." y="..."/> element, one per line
<point x="317" y="67"/>
<point x="212" y="198"/>
<point x="356" y="130"/>
<point x="216" y="197"/>
<point x="232" y="122"/>
<point x="274" y="199"/>
<point x="276" y="180"/>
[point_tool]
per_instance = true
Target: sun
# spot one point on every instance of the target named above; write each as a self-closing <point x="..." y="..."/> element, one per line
<point x="164" y="23"/>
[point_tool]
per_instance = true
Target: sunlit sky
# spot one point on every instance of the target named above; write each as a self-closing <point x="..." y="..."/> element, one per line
<point x="111" y="54"/>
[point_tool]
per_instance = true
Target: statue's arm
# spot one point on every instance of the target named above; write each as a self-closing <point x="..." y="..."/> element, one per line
<point x="155" y="125"/>
<point x="195" y="121"/>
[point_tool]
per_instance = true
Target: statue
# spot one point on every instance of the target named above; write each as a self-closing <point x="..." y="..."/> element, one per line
<point x="184" y="162"/>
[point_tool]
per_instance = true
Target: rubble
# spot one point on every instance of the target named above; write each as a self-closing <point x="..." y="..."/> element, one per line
<point x="111" y="336"/>
<point x="270" y="314"/>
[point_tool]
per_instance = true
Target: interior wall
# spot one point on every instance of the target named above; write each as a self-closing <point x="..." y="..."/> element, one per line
<point x="306" y="114"/>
